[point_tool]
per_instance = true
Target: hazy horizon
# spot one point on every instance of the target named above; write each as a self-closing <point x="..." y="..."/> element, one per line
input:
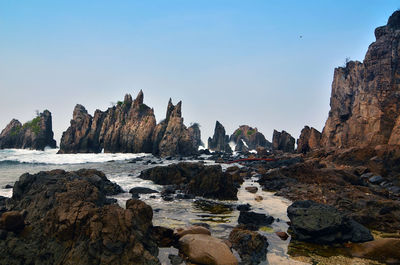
<point x="264" y="64"/>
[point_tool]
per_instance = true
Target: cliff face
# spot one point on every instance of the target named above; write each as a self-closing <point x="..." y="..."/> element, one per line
<point x="220" y="141"/>
<point x="171" y="136"/>
<point x="129" y="127"/>
<point x="35" y="134"/>
<point x="282" y="141"/>
<point x="309" y="139"/>
<point x="365" y="99"/>
<point x="248" y="138"/>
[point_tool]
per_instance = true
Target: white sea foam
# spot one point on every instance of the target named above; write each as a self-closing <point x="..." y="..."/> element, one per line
<point x="50" y="156"/>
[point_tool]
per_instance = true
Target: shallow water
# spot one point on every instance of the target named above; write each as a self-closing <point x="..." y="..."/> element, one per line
<point x="120" y="169"/>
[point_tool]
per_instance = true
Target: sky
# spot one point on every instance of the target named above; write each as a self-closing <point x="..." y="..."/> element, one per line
<point x="267" y="64"/>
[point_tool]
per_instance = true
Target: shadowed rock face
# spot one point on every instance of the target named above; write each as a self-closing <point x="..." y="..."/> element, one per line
<point x="220" y="141"/>
<point x="69" y="220"/>
<point x="282" y="141"/>
<point x="251" y="137"/>
<point x="171" y="137"/>
<point x="35" y="134"/>
<point x="309" y="140"/>
<point x="130" y="127"/>
<point x="365" y="99"/>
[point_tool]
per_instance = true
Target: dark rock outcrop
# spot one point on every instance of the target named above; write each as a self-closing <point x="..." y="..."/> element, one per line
<point x="35" y="134"/>
<point x="253" y="219"/>
<point x="247" y="138"/>
<point x="324" y="224"/>
<point x="309" y="140"/>
<point x="365" y="98"/>
<point x="282" y="141"/>
<point x="171" y="137"/>
<point x="130" y="127"/>
<point x="69" y="220"/>
<point x="220" y="141"/>
<point x="196" y="179"/>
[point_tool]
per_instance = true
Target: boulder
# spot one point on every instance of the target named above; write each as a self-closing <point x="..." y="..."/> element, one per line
<point x="384" y="250"/>
<point x="324" y="224"/>
<point x="207" y="250"/>
<point x="196" y="179"/>
<point x="251" y="246"/>
<point x="142" y="190"/>
<point x="220" y="141"/>
<point x="194" y="229"/>
<point x="35" y="134"/>
<point x="254" y="219"/>
<point x="252" y="189"/>
<point x="248" y="138"/>
<point x="282" y="141"/>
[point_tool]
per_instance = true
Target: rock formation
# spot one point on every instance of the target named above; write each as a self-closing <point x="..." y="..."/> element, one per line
<point x="220" y="141"/>
<point x="34" y="134"/>
<point x="282" y="141"/>
<point x="69" y="220"/>
<point x="130" y="127"/>
<point x="365" y="99"/>
<point x="171" y="137"/>
<point x="247" y="138"/>
<point x="309" y="140"/>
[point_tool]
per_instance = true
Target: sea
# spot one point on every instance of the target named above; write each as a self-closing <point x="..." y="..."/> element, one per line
<point x="124" y="169"/>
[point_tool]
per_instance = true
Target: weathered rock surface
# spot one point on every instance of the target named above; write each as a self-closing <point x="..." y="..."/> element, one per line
<point x="282" y="141"/>
<point x="365" y="99"/>
<point x="319" y="223"/>
<point x="196" y="179"/>
<point x="130" y="127"/>
<point x="251" y="246"/>
<point x="384" y="250"/>
<point x="253" y="219"/>
<point x="220" y="141"/>
<point x="69" y="220"/>
<point x="309" y="140"/>
<point x="34" y="134"/>
<point x="171" y="137"/>
<point x="205" y="249"/>
<point x="247" y="138"/>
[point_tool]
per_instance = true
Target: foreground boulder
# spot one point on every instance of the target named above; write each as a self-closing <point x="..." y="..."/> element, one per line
<point x="365" y="105"/>
<point x="220" y="141"/>
<point x="196" y="179"/>
<point x="35" y="134"/>
<point x="247" y="138"/>
<point x="205" y="249"/>
<point x="251" y="246"/>
<point x="69" y="220"/>
<point x="282" y="141"/>
<point x="324" y="224"/>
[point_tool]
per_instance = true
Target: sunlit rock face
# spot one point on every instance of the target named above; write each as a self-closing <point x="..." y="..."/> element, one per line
<point x="247" y="138"/>
<point x="365" y="98"/>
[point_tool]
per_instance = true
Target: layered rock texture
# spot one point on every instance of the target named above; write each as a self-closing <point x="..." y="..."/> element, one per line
<point x="282" y="141"/>
<point x="35" y="134"/>
<point x="310" y="139"/>
<point x="69" y="220"/>
<point x="365" y="99"/>
<point x="220" y="141"/>
<point x="129" y="127"/>
<point x="247" y="138"/>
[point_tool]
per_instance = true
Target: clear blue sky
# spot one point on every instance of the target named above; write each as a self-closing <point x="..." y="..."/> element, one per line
<point x="239" y="62"/>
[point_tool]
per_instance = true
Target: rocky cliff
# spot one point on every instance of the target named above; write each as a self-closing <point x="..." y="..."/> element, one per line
<point x="282" y="141"/>
<point x="247" y="138"/>
<point x="220" y="141"/>
<point x="129" y="127"/>
<point x="172" y="137"/>
<point x="34" y="134"/>
<point x="309" y="139"/>
<point x="365" y="99"/>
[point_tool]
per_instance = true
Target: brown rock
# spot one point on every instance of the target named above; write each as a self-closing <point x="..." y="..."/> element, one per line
<point x="258" y="198"/>
<point x="385" y="250"/>
<point x="251" y="246"/>
<point x="220" y="141"/>
<point x="12" y="221"/>
<point x="205" y="249"/>
<point x="194" y="229"/>
<point x="309" y="140"/>
<point x="282" y="235"/>
<point x="252" y="189"/>
<point x="282" y="141"/>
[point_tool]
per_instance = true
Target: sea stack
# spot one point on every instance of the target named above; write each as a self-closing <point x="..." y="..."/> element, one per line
<point x="220" y="141"/>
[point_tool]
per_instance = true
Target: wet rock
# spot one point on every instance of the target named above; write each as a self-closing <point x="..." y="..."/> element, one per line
<point x="258" y="198"/>
<point x="251" y="246"/>
<point x="243" y="207"/>
<point x="12" y="221"/>
<point x="212" y="206"/>
<point x="194" y="229"/>
<point x="314" y="222"/>
<point x="220" y="141"/>
<point x="376" y="179"/>
<point x="3" y="234"/>
<point x="282" y="235"/>
<point x="205" y="249"/>
<point x="34" y="134"/>
<point x="8" y="186"/>
<point x="256" y="219"/>
<point x="252" y="189"/>
<point x="163" y="236"/>
<point x="175" y="260"/>
<point x="142" y="190"/>
<point x="383" y="250"/>
<point x="196" y="179"/>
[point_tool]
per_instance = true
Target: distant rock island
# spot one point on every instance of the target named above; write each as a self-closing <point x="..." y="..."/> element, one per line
<point x="35" y="134"/>
<point x="130" y="127"/>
